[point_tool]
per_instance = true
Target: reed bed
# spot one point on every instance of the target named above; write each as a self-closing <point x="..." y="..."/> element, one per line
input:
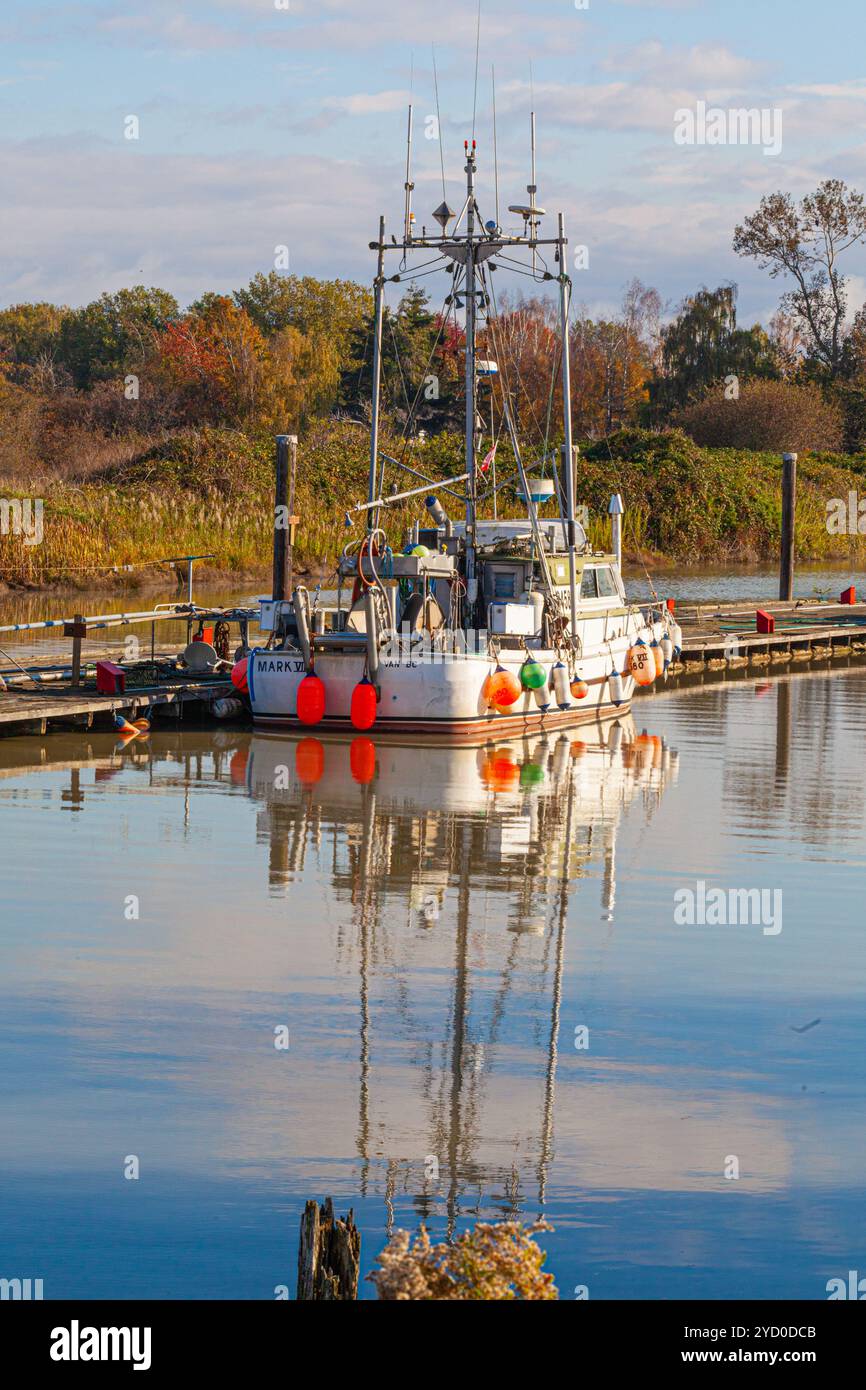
<point x="211" y="492"/>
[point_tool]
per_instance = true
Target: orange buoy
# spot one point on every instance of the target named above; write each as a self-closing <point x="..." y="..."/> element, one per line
<point x="658" y="656"/>
<point x="238" y="766"/>
<point x="503" y="772"/>
<point x="239" y="676"/>
<point x="502" y="689"/>
<point x="362" y="760"/>
<point x="310" y="761"/>
<point x="641" y="663"/>
<point x="311" y="700"/>
<point x="363" y="709"/>
<point x="579" y="689"/>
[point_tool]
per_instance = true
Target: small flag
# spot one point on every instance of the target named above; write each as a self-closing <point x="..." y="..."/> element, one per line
<point x="488" y="460"/>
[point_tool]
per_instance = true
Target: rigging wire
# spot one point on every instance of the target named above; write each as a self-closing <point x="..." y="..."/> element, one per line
<point x="397" y="359"/>
<point x="439" y="122"/>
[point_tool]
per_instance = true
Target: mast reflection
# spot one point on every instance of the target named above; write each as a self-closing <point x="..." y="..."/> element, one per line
<point x="455" y="844"/>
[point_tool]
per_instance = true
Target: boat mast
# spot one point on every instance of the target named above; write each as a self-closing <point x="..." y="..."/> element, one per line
<point x="568" y="462"/>
<point x="379" y="286"/>
<point x="471" y="389"/>
<point x="409" y="186"/>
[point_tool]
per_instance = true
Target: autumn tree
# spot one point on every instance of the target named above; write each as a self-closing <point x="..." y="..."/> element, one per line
<point x="225" y="370"/>
<point x="114" y="334"/>
<point x="28" y="334"/>
<point x="612" y="360"/>
<point x="330" y="315"/>
<point x="804" y="242"/>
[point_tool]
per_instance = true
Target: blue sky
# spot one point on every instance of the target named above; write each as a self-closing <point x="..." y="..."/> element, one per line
<point x="261" y="126"/>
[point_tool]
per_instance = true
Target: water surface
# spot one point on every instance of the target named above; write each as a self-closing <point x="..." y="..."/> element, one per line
<point x="432" y="926"/>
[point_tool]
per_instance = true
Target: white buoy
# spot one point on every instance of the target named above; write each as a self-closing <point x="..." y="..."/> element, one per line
<point x="617" y="693"/>
<point x="542" y="696"/>
<point x="561" y="688"/>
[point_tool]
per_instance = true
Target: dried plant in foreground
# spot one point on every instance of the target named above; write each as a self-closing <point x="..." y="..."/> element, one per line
<point x="499" y="1261"/>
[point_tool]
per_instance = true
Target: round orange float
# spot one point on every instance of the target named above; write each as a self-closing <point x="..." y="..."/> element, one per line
<point x="502" y="689"/>
<point x="311" y="700"/>
<point x="362" y="760"/>
<point x="363" y="708"/>
<point x="641" y="663"/>
<point x="310" y="761"/>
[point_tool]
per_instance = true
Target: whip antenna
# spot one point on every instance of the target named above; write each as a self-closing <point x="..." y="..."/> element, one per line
<point x="495" y="146"/>
<point x="477" y="52"/>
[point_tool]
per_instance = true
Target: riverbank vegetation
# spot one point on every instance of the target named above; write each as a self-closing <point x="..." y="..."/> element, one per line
<point x="147" y="431"/>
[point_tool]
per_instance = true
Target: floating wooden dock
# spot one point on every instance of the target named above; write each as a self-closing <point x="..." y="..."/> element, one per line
<point x="724" y="636"/>
<point x="42" y="695"/>
<point x="35" y="711"/>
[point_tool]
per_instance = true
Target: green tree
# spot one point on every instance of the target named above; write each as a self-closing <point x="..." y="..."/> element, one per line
<point x="114" y="334"/>
<point x="416" y="380"/>
<point x="331" y="316"/>
<point x="312" y="306"/>
<point x="702" y="346"/>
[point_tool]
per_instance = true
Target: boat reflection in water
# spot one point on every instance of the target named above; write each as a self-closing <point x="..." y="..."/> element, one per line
<point x="457" y="864"/>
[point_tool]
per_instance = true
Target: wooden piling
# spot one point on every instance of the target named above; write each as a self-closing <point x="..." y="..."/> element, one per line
<point x="284" y="520"/>
<point x="76" y="630"/>
<point x="789" y="506"/>
<point x="329" y="1255"/>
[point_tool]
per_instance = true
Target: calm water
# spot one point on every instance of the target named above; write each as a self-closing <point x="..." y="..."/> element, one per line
<point x="432" y="926"/>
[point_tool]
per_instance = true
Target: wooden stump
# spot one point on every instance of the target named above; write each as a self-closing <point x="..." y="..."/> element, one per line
<point x="329" y="1255"/>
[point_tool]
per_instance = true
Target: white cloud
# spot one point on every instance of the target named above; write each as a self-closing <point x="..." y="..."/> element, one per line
<point x="369" y="103"/>
<point x="702" y="63"/>
<point x="82" y="216"/>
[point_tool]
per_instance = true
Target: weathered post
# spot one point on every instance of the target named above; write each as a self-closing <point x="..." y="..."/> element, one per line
<point x="284" y="521"/>
<point x="789" y="507"/>
<point x="329" y="1255"/>
<point x="76" y="630"/>
<point x="293" y="470"/>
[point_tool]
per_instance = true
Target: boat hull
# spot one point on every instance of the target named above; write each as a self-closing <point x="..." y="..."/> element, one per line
<point x="440" y="696"/>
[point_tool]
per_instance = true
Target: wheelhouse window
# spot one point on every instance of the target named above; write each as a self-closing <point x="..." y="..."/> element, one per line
<point x="588" y="587"/>
<point x="606" y="583"/>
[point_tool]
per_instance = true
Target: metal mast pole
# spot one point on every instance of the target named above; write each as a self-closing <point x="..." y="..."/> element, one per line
<point x="568" y="461"/>
<point x="471" y="485"/>
<point x="372" y="516"/>
<point x="409" y="185"/>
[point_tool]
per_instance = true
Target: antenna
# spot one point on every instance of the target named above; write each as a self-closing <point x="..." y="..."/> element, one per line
<point x="532" y="188"/>
<point x="409" y="216"/>
<point x="477" y="52"/>
<point x="495" y="146"/>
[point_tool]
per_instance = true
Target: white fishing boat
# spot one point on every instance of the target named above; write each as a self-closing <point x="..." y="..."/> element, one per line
<point x="471" y="626"/>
